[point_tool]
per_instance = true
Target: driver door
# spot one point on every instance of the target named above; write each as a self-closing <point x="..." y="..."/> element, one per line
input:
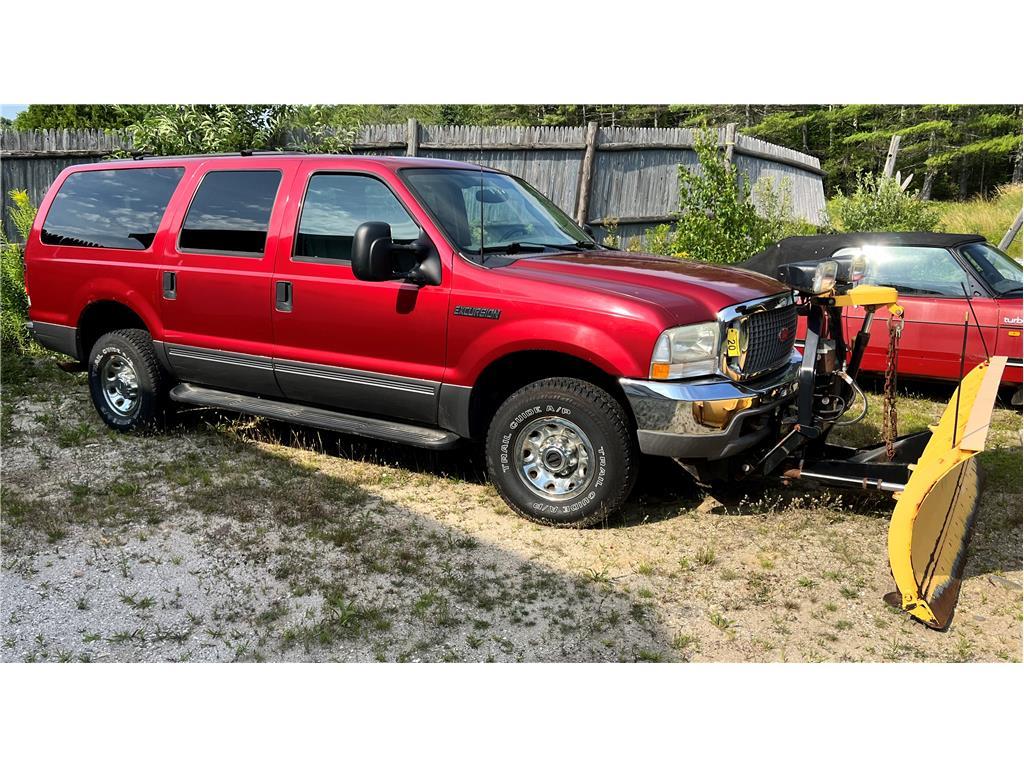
<point x="340" y="342"/>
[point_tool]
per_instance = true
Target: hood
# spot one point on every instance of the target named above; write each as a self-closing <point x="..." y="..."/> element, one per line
<point x="691" y="291"/>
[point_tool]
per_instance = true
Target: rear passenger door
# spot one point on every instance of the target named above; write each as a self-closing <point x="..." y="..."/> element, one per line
<point x="376" y="348"/>
<point x="216" y="293"/>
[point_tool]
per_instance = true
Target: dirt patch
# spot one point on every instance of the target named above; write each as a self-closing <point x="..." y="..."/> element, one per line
<point x="227" y="539"/>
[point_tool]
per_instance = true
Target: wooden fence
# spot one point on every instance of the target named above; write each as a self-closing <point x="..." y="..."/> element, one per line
<point x="626" y="177"/>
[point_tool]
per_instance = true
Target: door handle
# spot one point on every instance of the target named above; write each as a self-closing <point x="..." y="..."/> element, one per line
<point x="283" y="296"/>
<point x="170" y="285"/>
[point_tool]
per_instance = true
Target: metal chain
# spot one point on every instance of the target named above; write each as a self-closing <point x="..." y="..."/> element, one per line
<point x="889" y="420"/>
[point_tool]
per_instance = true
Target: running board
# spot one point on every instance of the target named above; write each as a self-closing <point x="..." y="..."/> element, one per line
<point x="395" y="432"/>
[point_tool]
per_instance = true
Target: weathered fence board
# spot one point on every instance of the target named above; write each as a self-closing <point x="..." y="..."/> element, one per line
<point x="631" y="179"/>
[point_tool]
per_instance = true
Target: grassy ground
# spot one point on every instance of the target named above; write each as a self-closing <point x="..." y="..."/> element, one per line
<point x="990" y="217"/>
<point x="237" y="539"/>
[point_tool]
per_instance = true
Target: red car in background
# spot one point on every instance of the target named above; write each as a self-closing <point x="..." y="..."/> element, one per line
<point x="935" y="274"/>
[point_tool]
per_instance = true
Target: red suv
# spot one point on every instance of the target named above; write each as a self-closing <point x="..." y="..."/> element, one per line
<point x="412" y="300"/>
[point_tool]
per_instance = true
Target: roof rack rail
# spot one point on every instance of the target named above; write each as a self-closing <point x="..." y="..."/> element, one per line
<point x="242" y="153"/>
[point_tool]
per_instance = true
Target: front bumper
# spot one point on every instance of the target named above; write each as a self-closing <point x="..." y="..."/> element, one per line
<point x="711" y="418"/>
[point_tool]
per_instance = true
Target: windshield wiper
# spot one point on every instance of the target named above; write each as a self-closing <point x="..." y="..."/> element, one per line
<point x="1008" y="291"/>
<point x="512" y="248"/>
<point x="527" y="247"/>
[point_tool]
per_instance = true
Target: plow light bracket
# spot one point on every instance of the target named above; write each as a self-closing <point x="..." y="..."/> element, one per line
<point x="870" y="296"/>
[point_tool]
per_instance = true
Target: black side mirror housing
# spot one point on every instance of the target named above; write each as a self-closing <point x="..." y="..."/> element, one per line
<point x="376" y="257"/>
<point x="372" y="257"/>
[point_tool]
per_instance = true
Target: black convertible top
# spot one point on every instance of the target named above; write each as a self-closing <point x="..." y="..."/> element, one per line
<point x="819" y="247"/>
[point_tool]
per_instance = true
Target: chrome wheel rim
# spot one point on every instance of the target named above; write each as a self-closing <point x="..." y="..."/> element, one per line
<point x="120" y="384"/>
<point x="555" y="458"/>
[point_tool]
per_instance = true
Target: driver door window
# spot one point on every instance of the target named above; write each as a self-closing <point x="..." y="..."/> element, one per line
<point x="334" y="207"/>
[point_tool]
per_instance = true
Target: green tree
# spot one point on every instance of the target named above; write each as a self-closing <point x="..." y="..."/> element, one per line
<point x="38" y="117"/>
<point x="200" y="128"/>
<point x="719" y="219"/>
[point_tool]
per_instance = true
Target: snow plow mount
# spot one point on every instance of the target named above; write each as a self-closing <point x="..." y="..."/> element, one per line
<point x="931" y="474"/>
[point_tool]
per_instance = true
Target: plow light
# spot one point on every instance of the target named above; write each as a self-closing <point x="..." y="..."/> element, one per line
<point x="815" y="277"/>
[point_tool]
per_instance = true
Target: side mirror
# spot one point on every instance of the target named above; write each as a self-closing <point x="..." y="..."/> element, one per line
<point x="376" y="257"/>
<point x="372" y="257"/>
<point x="590" y="232"/>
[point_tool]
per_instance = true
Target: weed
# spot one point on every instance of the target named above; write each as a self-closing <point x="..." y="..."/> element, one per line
<point x="706" y="556"/>
<point x="720" y="622"/>
<point x="651" y="657"/>
<point x="681" y="642"/>
<point x="645" y="569"/>
<point x="597" y="577"/>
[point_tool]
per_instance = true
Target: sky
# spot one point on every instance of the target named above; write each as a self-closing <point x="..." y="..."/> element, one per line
<point x="11" y="111"/>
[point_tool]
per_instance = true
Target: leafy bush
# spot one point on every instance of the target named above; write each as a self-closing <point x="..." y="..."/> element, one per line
<point x="13" y="299"/>
<point x="719" y="219"/>
<point x="175" y="129"/>
<point x="879" y="205"/>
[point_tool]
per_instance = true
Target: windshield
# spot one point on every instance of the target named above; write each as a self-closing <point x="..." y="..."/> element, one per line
<point x="999" y="270"/>
<point x="484" y="212"/>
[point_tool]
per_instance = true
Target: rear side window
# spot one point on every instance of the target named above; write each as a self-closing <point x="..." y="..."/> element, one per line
<point x="335" y="206"/>
<point x="110" y="209"/>
<point x="230" y="213"/>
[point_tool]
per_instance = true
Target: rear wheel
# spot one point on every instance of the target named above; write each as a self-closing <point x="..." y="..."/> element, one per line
<point x="560" y="453"/>
<point x="125" y="380"/>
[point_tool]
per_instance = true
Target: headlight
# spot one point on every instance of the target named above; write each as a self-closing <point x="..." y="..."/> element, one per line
<point x="689" y="350"/>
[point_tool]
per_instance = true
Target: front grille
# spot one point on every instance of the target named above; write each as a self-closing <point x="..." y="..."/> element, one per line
<point x="769" y="338"/>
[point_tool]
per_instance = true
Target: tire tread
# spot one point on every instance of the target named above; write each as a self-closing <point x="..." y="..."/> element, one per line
<point x="609" y="407"/>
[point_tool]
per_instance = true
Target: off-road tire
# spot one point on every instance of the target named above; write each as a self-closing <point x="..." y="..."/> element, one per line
<point x="604" y="424"/>
<point x="136" y="346"/>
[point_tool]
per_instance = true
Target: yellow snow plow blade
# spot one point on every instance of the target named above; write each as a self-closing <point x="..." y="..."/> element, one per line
<point x="934" y="515"/>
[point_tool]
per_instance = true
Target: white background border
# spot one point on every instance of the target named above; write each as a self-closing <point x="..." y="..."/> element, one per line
<point x="861" y="51"/>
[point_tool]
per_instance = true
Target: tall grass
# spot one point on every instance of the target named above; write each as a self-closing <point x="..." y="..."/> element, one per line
<point x="988" y="216"/>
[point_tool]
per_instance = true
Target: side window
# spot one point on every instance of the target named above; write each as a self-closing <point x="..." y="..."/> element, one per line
<point x="110" y="209"/>
<point x="915" y="271"/>
<point x="230" y="213"/>
<point x="334" y="207"/>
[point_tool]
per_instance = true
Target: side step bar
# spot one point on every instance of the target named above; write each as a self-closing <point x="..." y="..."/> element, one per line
<point x="320" y="418"/>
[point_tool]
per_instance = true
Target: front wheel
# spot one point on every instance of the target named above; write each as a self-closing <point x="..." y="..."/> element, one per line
<point x="560" y="452"/>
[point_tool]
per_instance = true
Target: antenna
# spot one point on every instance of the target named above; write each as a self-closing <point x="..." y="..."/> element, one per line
<point x="482" y="196"/>
<point x="976" y="325"/>
<point x="963" y="354"/>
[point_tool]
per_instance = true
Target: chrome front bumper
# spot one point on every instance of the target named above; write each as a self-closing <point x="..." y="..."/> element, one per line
<point x="711" y="418"/>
